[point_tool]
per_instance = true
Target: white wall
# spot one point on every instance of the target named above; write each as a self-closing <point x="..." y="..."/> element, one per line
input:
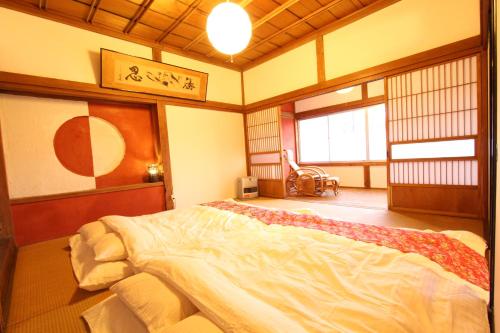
<point x="400" y="30"/>
<point x="207" y="154"/>
<point x="36" y="46"/>
<point x="292" y="70"/>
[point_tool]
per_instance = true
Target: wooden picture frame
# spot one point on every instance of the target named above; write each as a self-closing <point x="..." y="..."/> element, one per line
<point x="125" y="72"/>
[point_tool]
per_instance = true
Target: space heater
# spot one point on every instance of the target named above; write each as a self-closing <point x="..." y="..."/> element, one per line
<point x="248" y="187"/>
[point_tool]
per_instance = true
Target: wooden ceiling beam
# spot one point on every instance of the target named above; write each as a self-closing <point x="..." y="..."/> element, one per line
<point x="357" y="4"/>
<point x="94" y="7"/>
<point x="138" y="15"/>
<point x="264" y="19"/>
<point x="192" y="7"/>
<point x="42" y="4"/>
<point x="195" y="41"/>
<point x="294" y="24"/>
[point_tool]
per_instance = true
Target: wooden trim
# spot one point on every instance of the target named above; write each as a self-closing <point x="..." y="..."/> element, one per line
<point x="433" y="212"/>
<point x="25" y="200"/>
<point x="247" y="150"/>
<point x="25" y="7"/>
<point x="242" y="89"/>
<point x="370" y="9"/>
<point x="156" y="54"/>
<point x="347" y="163"/>
<point x="8" y="255"/>
<point x="161" y="114"/>
<point x="443" y="53"/>
<point x="366" y="176"/>
<point x="473" y="187"/>
<point x="339" y="108"/>
<point x="5" y="210"/>
<point x="320" y="59"/>
<point x="388" y="147"/>
<point x="42" y="86"/>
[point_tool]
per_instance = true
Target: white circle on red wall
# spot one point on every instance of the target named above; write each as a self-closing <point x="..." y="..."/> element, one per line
<point x="89" y="146"/>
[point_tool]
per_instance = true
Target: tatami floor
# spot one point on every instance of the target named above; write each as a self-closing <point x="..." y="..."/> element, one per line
<point x="352" y="197"/>
<point x="46" y="297"/>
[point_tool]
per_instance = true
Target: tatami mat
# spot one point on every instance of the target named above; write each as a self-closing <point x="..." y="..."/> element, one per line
<point x="45" y="294"/>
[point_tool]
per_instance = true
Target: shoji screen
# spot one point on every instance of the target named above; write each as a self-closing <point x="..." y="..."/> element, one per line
<point x="264" y="150"/>
<point x="433" y="121"/>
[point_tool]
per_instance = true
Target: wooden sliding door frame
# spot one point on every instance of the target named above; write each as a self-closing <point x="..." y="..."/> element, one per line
<point x="481" y="145"/>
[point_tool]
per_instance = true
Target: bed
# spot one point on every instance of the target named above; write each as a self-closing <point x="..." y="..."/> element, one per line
<point x="242" y="268"/>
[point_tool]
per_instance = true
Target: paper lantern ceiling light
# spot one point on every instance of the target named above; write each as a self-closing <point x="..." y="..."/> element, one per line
<point x="229" y="28"/>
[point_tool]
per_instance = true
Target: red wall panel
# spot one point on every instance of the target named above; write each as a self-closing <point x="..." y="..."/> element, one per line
<point x="136" y="126"/>
<point x="288" y="132"/>
<point x="43" y="220"/>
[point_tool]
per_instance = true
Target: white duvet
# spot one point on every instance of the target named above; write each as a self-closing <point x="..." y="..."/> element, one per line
<point x="247" y="276"/>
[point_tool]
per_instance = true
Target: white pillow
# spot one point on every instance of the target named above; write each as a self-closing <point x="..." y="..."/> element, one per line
<point x="155" y="303"/>
<point x="93" y="231"/>
<point x="112" y="316"/>
<point x="196" y="323"/>
<point x="110" y="248"/>
<point x="93" y="275"/>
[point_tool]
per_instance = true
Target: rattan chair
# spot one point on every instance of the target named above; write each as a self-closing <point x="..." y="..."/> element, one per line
<point x="310" y="180"/>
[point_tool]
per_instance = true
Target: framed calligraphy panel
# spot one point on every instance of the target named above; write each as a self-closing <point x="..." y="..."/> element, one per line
<point x="124" y="72"/>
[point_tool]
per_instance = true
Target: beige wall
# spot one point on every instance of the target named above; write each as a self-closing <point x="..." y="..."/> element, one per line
<point x="224" y="85"/>
<point x="378" y="176"/>
<point x="402" y="29"/>
<point x="353" y="176"/>
<point x="292" y="70"/>
<point x="40" y="47"/>
<point x="207" y="153"/>
<point x="350" y="176"/>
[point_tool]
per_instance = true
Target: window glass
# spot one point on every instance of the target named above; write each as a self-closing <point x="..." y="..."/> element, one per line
<point x="314" y="140"/>
<point x="342" y="137"/>
<point x="347" y="136"/>
<point x="377" y="133"/>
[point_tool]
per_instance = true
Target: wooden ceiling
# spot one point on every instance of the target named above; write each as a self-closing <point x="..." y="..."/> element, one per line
<point x="179" y="25"/>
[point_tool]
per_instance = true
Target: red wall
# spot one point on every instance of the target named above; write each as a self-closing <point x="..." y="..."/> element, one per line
<point x="43" y="220"/>
<point x="288" y="131"/>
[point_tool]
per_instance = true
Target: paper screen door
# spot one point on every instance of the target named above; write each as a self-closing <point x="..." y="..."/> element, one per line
<point x="433" y="130"/>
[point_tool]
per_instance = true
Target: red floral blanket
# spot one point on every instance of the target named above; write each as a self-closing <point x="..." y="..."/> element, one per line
<point x="449" y="253"/>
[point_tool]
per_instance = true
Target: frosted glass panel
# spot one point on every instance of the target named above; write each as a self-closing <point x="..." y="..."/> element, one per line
<point x="437" y="149"/>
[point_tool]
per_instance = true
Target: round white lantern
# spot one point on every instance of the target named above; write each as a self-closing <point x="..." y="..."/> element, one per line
<point x="229" y="28"/>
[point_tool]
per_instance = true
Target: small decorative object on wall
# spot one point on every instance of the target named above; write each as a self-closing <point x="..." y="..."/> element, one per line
<point x="125" y="72"/>
<point x="154" y="173"/>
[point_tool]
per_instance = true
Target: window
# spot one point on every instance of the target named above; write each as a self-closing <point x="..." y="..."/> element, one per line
<point x="357" y="135"/>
